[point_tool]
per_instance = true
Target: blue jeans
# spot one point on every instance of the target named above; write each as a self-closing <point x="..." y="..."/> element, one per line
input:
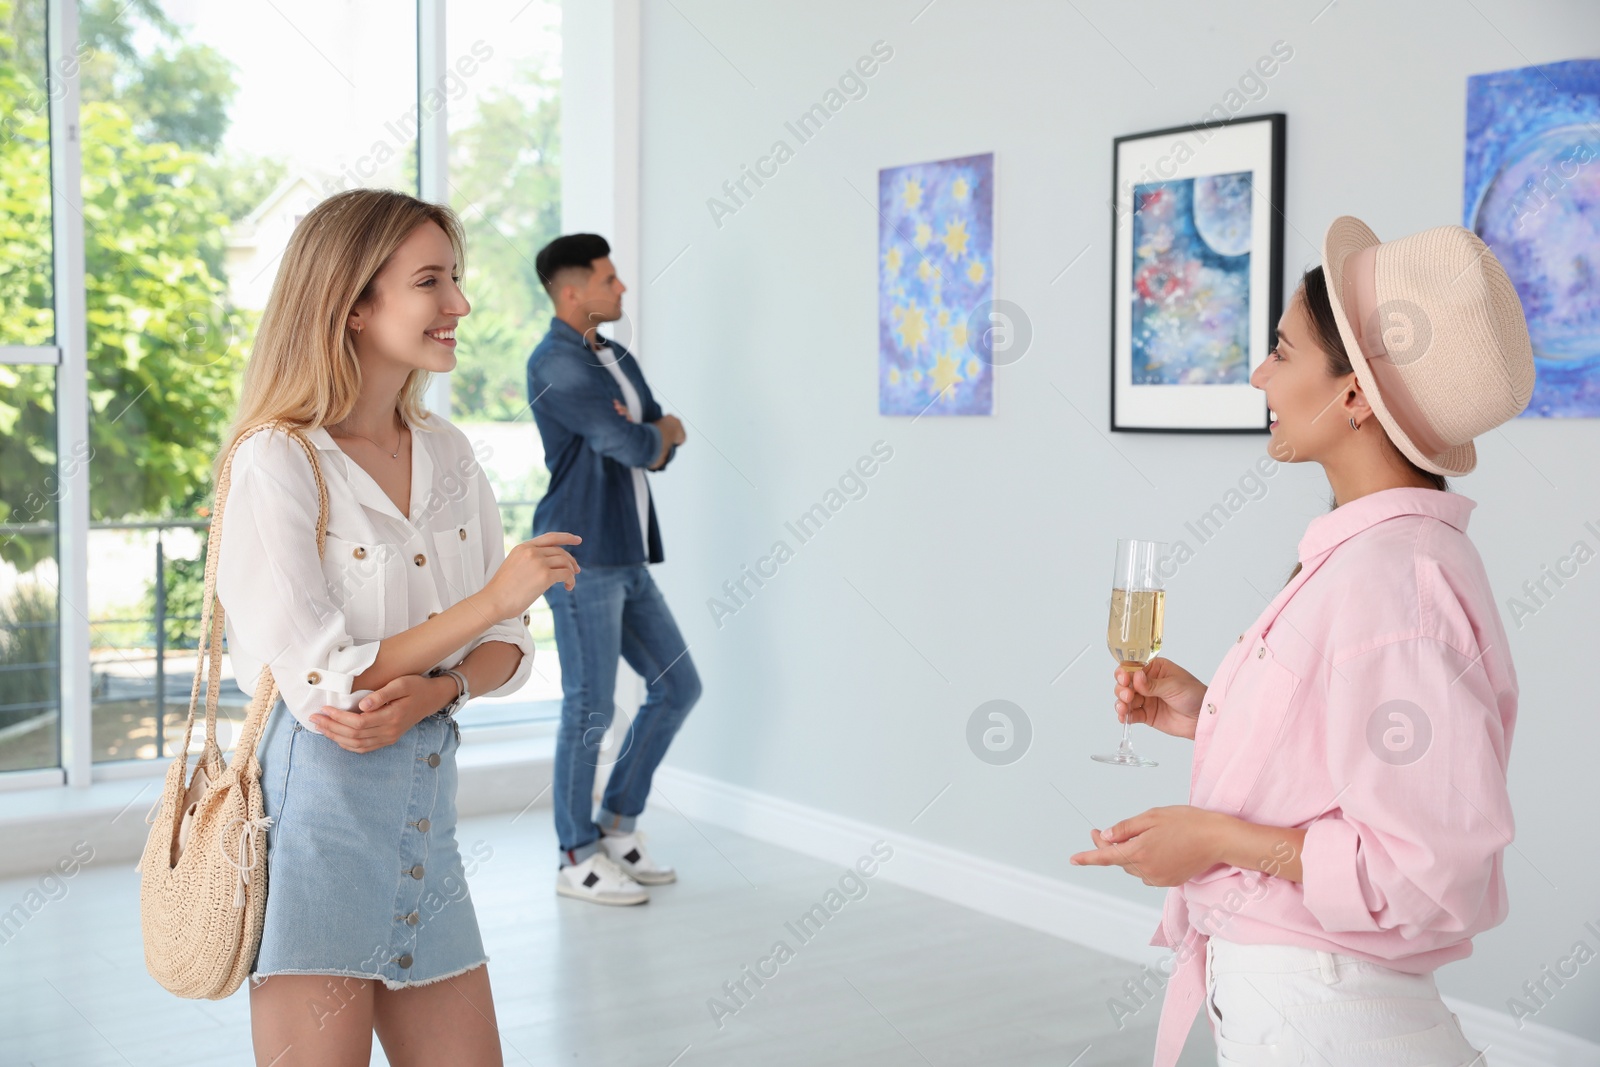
<point x="612" y="612"/>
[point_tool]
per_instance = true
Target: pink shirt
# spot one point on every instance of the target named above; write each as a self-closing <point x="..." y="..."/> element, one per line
<point x="1372" y="704"/>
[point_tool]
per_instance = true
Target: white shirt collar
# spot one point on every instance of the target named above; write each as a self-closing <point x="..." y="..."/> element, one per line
<point x="367" y="491"/>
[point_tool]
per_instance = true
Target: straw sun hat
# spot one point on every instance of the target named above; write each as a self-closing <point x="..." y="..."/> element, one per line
<point x="1435" y="334"/>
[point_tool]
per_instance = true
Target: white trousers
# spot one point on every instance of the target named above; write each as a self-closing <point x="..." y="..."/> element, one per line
<point x="1276" y="1005"/>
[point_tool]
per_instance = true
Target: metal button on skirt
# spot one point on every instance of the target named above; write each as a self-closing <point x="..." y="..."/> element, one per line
<point x="365" y="877"/>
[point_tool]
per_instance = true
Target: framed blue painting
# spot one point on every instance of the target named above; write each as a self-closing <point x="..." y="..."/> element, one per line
<point x="1197" y="274"/>
<point x="1532" y="192"/>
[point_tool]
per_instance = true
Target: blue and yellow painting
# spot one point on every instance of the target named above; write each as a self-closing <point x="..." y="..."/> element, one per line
<point x="1190" y="313"/>
<point x="935" y="286"/>
<point x="1532" y="192"/>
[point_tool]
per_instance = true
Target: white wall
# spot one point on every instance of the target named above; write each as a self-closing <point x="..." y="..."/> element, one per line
<point x="976" y="566"/>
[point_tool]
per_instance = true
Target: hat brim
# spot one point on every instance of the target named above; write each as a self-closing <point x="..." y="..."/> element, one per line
<point x="1345" y="237"/>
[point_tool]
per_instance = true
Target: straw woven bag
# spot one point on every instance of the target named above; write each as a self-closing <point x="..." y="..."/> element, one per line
<point x="203" y="887"/>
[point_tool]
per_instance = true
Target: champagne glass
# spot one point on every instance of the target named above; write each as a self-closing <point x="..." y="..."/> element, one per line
<point x="1138" y="601"/>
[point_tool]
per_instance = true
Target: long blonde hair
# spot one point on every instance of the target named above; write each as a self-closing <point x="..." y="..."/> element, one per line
<point x="302" y="369"/>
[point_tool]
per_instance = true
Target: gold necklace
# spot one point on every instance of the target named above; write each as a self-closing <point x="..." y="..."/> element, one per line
<point x="399" y="441"/>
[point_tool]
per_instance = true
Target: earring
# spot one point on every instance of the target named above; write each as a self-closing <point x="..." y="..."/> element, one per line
<point x="1353" y="425"/>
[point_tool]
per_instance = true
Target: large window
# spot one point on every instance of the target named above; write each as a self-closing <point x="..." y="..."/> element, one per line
<point x="208" y="130"/>
<point x="199" y="156"/>
<point x="29" y="489"/>
<point x="502" y="81"/>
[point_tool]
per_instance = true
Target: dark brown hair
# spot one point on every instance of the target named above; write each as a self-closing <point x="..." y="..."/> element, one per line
<point x="1325" y="334"/>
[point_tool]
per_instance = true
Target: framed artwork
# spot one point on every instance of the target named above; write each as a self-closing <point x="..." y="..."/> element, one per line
<point x="1197" y="274"/>
<point x="936" y="287"/>
<point x="1532" y="192"/>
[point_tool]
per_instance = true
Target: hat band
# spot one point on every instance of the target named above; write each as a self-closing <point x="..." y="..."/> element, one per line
<point x="1367" y="322"/>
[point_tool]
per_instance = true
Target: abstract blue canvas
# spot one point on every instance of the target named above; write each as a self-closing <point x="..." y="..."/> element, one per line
<point x="935" y="287"/>
<point x="1532" y="192"/>
<point x="1190" y="315"/>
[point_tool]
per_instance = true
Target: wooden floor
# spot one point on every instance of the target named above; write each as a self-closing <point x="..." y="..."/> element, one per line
<point x="893" y="978"/>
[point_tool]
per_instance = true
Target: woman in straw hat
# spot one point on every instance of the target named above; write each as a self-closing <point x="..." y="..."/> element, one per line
<point x="412" y="605"/>
<point x="1348" y="809"/>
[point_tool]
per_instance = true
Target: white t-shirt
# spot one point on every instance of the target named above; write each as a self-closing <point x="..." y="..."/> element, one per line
<point x="630" y="397"/>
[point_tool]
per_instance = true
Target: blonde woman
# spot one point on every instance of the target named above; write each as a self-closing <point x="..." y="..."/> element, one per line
<point x="1348" y="811"/>
<point x="413" y="606"/>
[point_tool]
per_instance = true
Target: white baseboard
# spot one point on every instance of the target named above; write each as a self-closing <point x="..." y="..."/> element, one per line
<point x="1096" y="920"/>
<point x="1534" y="1045"/>
<point x="1087" y="917"/>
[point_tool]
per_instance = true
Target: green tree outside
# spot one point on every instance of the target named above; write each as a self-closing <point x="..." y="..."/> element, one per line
<point x="505" y="180"/>
<point x="165" y="346"/>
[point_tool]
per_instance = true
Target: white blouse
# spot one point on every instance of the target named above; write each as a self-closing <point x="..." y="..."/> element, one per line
<point x="317" y="623"/>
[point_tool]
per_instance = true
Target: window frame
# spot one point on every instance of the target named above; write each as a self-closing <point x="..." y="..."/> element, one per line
<point x="72" y="391"/>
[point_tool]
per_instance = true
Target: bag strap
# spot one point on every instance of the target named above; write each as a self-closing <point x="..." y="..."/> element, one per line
<point x="208" y="669"/>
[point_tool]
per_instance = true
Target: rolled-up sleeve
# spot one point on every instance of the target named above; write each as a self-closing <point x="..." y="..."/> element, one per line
<point x="512" y="631"/>
<point x="1414" y="840"/>
<point x="564" y="389"/>
<point x="281" y="613"/>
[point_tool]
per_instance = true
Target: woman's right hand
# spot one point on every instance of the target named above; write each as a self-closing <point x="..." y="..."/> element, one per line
<point x="528" y="570"/>
<point x="1162" y="695"/>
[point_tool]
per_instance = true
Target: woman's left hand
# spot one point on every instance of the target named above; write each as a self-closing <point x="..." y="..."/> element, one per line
<point x="385" y="714"/>
<point x="1163" y="846"/>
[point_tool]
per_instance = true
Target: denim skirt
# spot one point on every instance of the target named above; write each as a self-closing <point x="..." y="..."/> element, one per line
<point x="364" y="875"/>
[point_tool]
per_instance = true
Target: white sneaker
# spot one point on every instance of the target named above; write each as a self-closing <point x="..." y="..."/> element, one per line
<point x="627" y="851"/>
<point x="601" y="881"/>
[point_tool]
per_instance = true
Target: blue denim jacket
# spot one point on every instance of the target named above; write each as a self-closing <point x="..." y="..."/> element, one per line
<point x="591" y="450"/>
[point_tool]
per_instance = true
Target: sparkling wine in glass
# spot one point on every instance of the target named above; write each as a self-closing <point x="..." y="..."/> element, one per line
<point x="1138" y="601"/>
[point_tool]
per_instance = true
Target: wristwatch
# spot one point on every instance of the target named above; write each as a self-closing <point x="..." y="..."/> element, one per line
<point x="463" y="693"/>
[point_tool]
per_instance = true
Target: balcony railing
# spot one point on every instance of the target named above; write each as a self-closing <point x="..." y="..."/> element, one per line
<point x="143" y="659"/>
